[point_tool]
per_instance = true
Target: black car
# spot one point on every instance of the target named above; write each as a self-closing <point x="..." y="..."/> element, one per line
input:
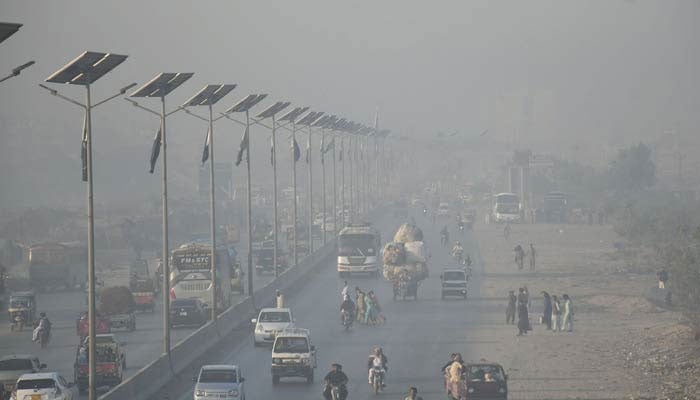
<point x="187" y="312"/>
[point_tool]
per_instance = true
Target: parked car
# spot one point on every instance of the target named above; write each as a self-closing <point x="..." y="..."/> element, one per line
<point x="14" y="366"/>
<point x="219" y="382"/>
<point x="45" y="385"/>
<point x="188" y="312"/>
<point x="270" y="322"/>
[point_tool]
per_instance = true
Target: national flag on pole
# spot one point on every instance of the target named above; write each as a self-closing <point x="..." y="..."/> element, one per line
<point x="323" y="145"/>
<point x="272" y="151"/>
<point x="295" y="149"/>
<point x="243" y="147"/>
<point x="83" y="150"/>
<point x="155" y="150"/>
<point x="205" y="152"/>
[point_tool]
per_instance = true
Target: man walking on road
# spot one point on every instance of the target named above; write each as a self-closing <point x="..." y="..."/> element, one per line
<point x="510" y="309"/>
<point x="568" y="313"/>
<point x="556" y="314"/>
<point x="533" y="253"/>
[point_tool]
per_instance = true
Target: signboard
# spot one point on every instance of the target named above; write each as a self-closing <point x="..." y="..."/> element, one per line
<point x="192" y="260"/>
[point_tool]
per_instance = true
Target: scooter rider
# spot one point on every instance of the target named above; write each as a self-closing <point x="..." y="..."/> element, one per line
<point x="458" y="250"/>
<point x="377" y="359"/>
<point x="42" y="329"/>
<point x="445" y="235"/>
<point x="348" y="306"/>
<point x="336" y="378"/>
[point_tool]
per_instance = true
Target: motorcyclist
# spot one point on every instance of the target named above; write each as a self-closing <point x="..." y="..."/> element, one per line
<point x="42" y="328"/>
<point x="377" y="359"/>
<point x="336" y="378"/>
<point x="348" y="306"/>
<point x="458" y="250"/>
<point x="444" y="235"/>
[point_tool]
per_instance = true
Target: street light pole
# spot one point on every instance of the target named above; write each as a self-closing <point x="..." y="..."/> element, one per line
<point x="159" y="87"/>
<point x="85" y="70"/>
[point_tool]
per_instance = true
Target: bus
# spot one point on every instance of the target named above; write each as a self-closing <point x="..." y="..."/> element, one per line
<point x="358" y="249"/>
<point x="58" y="265"/>
<point x="506" y="208"/>
<point x="190" y="274"/>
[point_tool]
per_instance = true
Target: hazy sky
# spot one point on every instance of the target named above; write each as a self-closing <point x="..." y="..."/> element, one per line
<point x="611" y="71"/>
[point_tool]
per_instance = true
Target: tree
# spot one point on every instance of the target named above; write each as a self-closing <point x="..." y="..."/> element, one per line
<point x="632" y="169"/>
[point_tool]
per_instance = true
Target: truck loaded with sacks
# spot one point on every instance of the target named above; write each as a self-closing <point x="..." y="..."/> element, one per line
<point x="405" y="261"/>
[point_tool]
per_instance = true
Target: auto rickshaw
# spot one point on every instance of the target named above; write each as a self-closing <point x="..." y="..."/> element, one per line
<point x="22" y="309"/>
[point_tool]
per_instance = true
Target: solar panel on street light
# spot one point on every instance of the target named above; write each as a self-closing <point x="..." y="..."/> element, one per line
<point x="8" y="29"/>
<point x="247" y="103"/>
<point x="209" y="95"/>
<point x="309" y="118"/>
<point x="162" y="85"/>
<point x="294" y="114"/>
<point x="87" y="68"/>
<point x="321" y="121"/>
<point x="273" y="109"/>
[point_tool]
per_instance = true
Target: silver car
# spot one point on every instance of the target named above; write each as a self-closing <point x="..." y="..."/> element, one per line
<point x="219" y="382"/>
<point x="14" y="366"/>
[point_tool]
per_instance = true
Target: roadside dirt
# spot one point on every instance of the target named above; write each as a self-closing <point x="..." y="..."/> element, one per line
<point x="622" y="347"/>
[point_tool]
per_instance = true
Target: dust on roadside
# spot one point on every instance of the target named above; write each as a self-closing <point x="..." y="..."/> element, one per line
<point x="622" y="347"/>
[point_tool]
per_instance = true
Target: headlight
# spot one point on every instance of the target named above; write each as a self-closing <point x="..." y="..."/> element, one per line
<point x="233" y="393"/>
<point x="306" y="361"/>
<point x="259" y="328"/>
<point x="470" y="390"/>
<point x="199" y="393"/>
<point x="277" y="361"/>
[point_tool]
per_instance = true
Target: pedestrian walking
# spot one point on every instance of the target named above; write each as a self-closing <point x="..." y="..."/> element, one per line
<point x="663" y="278"/>
<point x="547" y="313"/>
<point x="533" y="254"/>
<point x="523" y="319"/>
<point x="345" y="291"/>
<point x="369" y="310"/>
<point x="519" y="256"/>
<point x="556" y="314"/>
<point x="279" y="299"/>
<point x="568" y="313"/>
<point x="510" y="308"/>
<point x="359" y="304"/>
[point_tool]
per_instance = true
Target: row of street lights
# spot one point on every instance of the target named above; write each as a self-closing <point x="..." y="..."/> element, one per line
<point x="90" y="66"/>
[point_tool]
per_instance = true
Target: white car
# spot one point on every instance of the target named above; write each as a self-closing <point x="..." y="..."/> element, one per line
<point x="270" y="322"/>
<point x="219" y="382"/>
<point x="45" y="385"/>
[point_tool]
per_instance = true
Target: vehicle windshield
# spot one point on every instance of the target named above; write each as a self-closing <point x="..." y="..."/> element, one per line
<point x="218" y="376"/>
<point x="20" y="303"/>
<point x="291" y="345"/>
<point x="507" y="208"/>
<point x="356" y="245"/>
<point x="16" y="364"/>
<point x="453" y="276"/>
<point x="486" y="373"/>
<point x="274" y="316"/>
<point x="36" y="384"/>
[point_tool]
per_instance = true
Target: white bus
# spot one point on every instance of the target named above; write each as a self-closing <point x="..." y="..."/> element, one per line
<point x="358" y="249"/>
<point x="190" y="274"/>
<point x="506" y="208"/>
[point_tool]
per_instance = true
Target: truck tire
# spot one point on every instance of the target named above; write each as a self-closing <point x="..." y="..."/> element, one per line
<point x="275" y="379"/>
<point x="310" y="377"/>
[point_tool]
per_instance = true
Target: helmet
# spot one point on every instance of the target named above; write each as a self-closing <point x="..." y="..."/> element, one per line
<point x="42" y="315"/>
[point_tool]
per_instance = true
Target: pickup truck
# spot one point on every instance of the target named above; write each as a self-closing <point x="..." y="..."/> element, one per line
<point x="14" y="366"/>
<point x="110" y="363"/>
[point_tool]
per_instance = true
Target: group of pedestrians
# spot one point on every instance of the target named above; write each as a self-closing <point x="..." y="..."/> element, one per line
<point x="557" y="315"/>
<point x="521" y="254"/>
<point x="367" y="308"/>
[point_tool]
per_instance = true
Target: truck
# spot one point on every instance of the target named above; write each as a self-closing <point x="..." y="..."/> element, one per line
<point x="110" y="362"/>
<point x="58" y="265"/>
<point x="358" y="250"/>
<point x="293" y="355"/>
<point x="142" y="285"/>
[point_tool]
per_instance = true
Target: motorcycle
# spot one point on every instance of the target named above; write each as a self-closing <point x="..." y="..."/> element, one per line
<point x="347" y="319"/>
<point x="377" y="379"/>
<point x="458" y="257"/>
<point x="336" y="393"/>
<point x="17" y="322"/>
<point x="461" y="229"/>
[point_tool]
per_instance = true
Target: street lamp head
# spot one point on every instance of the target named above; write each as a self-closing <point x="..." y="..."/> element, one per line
<point x="52" y="91"/>
<point x="17" y="70"/>
<point x="127" y="87"/>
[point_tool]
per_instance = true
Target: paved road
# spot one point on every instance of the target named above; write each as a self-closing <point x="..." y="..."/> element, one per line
<point x="142" y="346"/>
<point x="417" y="337"/>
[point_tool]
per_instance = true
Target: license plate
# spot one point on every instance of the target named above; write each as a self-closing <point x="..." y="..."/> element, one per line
<point x="183" y="313"/>
<point x="36" y="397"/>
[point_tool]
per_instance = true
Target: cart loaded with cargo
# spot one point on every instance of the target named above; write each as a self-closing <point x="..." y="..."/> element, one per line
<point x="405" y="261"/>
